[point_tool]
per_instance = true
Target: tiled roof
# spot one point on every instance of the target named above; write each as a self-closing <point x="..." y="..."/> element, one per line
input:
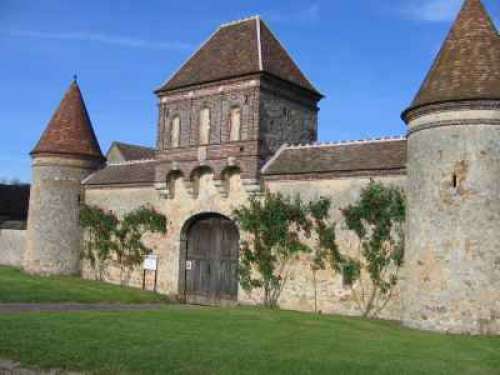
<point x="136" y="172"/>
<point x="238" y="49"/>
<point x="134" y="152"/>
<point x="369" y="155"/>
<point x="70" y="131"/>
<point x="468" y="65"/>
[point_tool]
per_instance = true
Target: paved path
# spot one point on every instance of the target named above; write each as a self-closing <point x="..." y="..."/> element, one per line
<point x="13" y="308"/>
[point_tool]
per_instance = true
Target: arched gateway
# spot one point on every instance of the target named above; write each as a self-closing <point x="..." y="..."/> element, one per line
<point x="210" y="261"/>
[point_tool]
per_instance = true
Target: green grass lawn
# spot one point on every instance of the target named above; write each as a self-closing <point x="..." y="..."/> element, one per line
<point x="177" y="339"/>
<point x="16" y="286"/>
<point x="195" y="340"/>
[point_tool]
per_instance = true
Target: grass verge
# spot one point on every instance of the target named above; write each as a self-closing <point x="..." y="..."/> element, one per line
<point x="195" y="340"/>
<point x="19" y="287"/>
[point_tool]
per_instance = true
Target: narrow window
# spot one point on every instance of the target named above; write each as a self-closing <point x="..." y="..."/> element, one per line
<point x="234" y="134"/>
<point x="204" y="135"/>
<point x="175" y="131"/>
<point x="454" y="180"/>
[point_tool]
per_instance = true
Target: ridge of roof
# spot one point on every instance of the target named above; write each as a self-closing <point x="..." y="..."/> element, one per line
<point x="237" y="21"/>
<point x="119" y="143"/>
<point x="259" y="42"/>
<point x="310" y="87"/>
<point x="394" y="138"/>
<point x="130" y="162"/>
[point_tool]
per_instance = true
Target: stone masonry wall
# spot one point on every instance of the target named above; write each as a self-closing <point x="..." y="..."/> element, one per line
<point x="284" y="120"/>
<point x="299" y="293"/>
<point x="121" y="201"/>
<point x="324" y="290"/>
<point x="452" y="258"/>
<point x="12" y="247"/>
<point x="53" y="237"/>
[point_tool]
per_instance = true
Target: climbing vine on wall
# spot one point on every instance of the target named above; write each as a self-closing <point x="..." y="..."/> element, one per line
<point x="377" y="219"/>
<point x="98" y="244"/>
<point x="109" y="237"/>
<point x="274" y="226"/>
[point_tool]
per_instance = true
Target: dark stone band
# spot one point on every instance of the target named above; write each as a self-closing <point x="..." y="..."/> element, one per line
<point x="465" y="105"/>
<point x="445" y="123"/>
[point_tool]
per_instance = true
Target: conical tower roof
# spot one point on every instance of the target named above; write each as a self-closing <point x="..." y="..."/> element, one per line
<point x="468" y="65"/>
<point x="70" y="131"/>
<point x="238" y="49"/>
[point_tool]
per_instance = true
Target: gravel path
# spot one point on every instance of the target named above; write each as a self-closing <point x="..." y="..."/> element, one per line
<point x="15" y="308"/>
<point x="8" y="367"/>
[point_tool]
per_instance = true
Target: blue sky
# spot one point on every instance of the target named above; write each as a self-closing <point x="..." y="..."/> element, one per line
<point x="367" y="56"/>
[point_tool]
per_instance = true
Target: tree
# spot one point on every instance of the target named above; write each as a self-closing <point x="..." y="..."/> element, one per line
<point x="378" y="219"/>
<point x="107" y="235"/>
<point x="274" y="226"/>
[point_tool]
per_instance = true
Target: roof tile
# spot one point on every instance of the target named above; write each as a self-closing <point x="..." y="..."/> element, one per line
<point x="234" y="51"/>
<point x="349" y="157"/>
<point x="70" y="131"/>
<point x="468" y="65"/>
<point x="134" y="152"/>
<point x="122" y="174"/>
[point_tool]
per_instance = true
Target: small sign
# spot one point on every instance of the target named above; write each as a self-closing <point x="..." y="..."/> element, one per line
<point x="188" y="265"/>
<point x="150" y="262"/>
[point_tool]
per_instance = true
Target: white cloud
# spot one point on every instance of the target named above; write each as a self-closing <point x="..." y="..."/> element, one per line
<point x="432" y="10"/>
<point x="102" y="38"/>
<point x="309" y="14"/>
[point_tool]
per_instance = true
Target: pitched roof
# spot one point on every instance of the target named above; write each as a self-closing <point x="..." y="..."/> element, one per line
<point x="136" y="172"/>
<point x="468" y="65"/>
<point x="237" y="49"/>
<point x="70" y="131"/>
<point x="133" y="152"/>
<point x="371" y="155"/>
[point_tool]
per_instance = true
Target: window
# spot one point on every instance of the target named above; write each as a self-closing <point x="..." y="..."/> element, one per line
<point x="204" y="135"/>
<point x="235" y="123"/>
<point x="175" y="131"/>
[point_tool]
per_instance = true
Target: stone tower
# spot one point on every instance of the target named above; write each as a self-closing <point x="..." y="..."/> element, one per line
<point x="66" y="153"/>
<point x="237" y="99"/>
<point x="452" y="280"/>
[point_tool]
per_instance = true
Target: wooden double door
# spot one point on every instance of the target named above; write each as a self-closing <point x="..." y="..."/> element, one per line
<point x="212" y="261"/>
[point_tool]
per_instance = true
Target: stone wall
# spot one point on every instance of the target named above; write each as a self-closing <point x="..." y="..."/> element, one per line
<point x="122" y="200"/>
<point x="323" y="290"/>
<point x="304" y="291"/>
<point x="453" y="262"/>
<point x="12" y="247"/>
<point x="285" y="119"/>
<point x="53" y="238"/>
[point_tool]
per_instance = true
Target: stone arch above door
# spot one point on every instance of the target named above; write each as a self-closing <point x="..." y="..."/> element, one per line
<point x="209" y="260"/>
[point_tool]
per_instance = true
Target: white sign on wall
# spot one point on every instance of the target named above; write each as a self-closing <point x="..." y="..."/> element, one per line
<point x="150" y="262"/>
